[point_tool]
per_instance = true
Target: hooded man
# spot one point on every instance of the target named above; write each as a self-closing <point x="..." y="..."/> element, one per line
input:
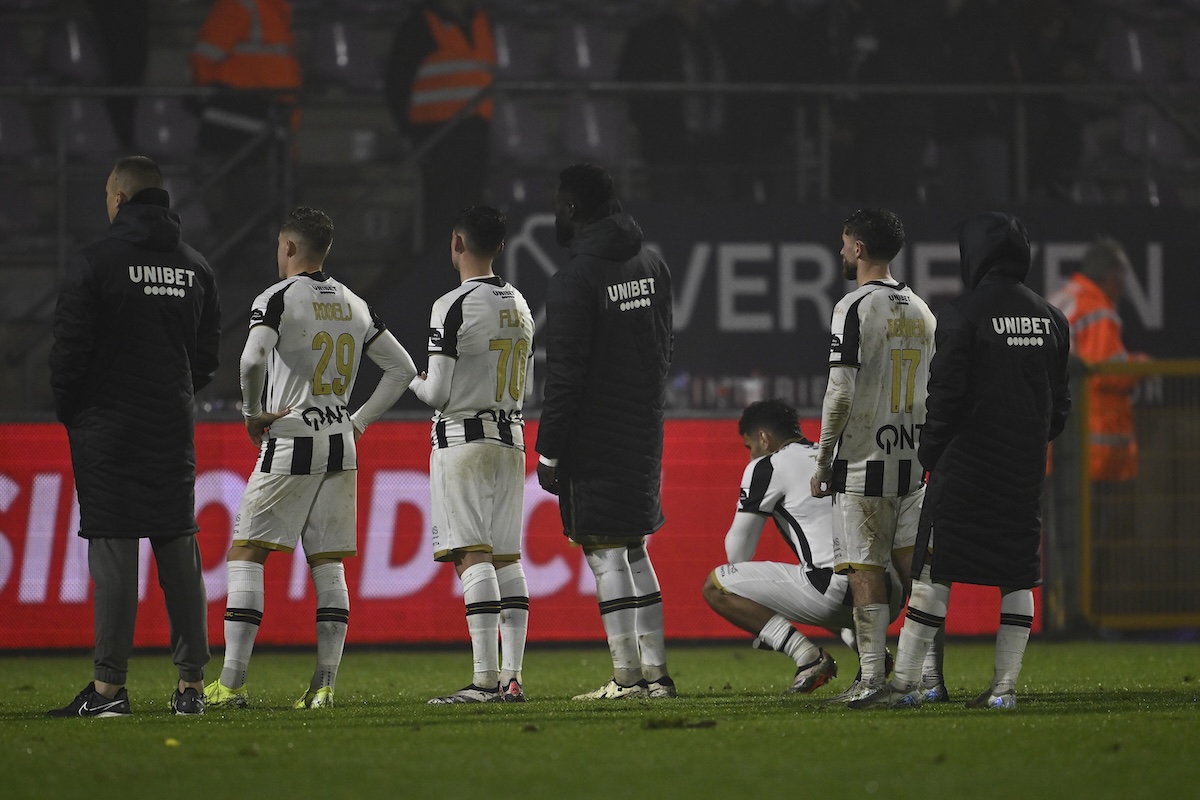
<point x="998" y="393"/>
<point x="600" y="439"/>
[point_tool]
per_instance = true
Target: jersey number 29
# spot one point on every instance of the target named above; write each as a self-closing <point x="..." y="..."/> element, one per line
<point x="341" y="354"/>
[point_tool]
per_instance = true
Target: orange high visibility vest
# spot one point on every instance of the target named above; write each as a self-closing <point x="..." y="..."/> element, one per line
<point x="454" y="72"/>
<point x="1096" y="339"/>
<point x="247" y="44"/>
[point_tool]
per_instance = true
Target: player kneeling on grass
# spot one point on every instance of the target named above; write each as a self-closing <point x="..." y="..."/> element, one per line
<point x="766" y="597"/>
<point x="307" y="337"/>
<point x="480" y="351"/>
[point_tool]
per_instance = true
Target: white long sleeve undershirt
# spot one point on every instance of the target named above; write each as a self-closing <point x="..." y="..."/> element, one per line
<point x="835" y="413"/>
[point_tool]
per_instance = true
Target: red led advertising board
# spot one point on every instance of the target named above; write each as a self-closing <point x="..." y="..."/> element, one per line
<point x="398" y="594"/>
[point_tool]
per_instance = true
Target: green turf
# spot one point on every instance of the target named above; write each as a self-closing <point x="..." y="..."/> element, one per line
<point x="1095" y="720"/>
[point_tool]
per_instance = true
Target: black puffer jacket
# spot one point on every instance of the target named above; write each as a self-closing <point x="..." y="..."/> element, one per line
<point x="608" y="347"/>
<point x="997" y="395"/>
<point x="136" y="333"/>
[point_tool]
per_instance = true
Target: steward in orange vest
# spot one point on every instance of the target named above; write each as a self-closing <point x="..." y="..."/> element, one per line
<point x="442" y="57"/>
<point x="245" y="44"/>
<point x="1089" y="299"/>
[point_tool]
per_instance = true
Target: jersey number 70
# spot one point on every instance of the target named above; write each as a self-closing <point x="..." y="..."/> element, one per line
<point x="510" y="369"/>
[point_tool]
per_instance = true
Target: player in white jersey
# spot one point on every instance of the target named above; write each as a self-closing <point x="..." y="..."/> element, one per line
<point x="874" y="407"/>
<point x="480" y="352"/>
<point x="308" y="334"/>
<point x="766" y="597"/>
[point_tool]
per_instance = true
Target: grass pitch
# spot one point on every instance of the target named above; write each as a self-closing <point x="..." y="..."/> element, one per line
<point x="1095" y="720"/>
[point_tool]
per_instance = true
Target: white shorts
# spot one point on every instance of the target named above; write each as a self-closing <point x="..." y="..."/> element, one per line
<point x="478" y="493"/>
<point x="277" y="511"/>
<point x="786" y="590"/>
<point x="868" y="530"/>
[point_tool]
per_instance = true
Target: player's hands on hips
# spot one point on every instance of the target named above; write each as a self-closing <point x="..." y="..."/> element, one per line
<point x="819" y="484"/>
<point x="255" y="426"/>
<point x="548" y="477"/>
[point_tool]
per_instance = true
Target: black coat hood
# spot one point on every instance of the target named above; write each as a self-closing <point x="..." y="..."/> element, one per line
<point x="615" y="238"/>
<point x="995" y="244"/>
<point x="147" y="221"/>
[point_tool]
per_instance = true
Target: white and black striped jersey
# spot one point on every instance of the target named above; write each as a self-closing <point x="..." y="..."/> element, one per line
<point x="485" y="325"/>
<point x="324" y="329"/>
<point x="777" y="486"/>
<point x="886" y="332"/>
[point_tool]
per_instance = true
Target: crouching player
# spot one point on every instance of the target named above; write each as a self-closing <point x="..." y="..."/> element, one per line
<point x="766" y="597"/>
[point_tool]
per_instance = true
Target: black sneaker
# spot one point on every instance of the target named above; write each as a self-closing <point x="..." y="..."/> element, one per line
<point x="187" y="703"/>
<point x="90" y="703"/>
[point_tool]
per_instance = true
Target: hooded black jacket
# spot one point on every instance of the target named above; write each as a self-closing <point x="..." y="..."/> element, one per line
<point x="608" y="348"/>
<point x="136" y="333"/>
<point x="998" y="394"/>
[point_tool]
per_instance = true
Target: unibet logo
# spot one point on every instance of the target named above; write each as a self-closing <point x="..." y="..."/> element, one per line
<point x="170" y="281"/>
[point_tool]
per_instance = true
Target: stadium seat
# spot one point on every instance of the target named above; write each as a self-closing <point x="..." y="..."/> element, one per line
<point x="583" y="51"/>
<point x="86" y="128"/>
<point x="518" y="133"/>
<point x="1191" y="53"/>
<point x="17" y="141"/>
<point x="17" y="215"/>
<point x="164" y="129"/>
<point x="74" y="53"/>
<point x="14" y="63"/>
<point x="516" y="57"/>
<point x="1147" y="134"/>
<point x="197" y="223"/>
<point x="86" y="213"/>
<point x="342" y="55"/>
<point x="1136" y="54"/>
<point x="593" y="129"/>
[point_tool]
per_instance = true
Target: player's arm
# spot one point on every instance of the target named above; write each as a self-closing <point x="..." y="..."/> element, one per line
<point x="208" y="338"/>
<point x="433" y="387"/>
<point x="569" y="325"/>
<point x="398" y="372"/>
<point x="1060" y="386"/>
<point x="76" y="318"/>
<point x="835" y="413"/>
<point x="252" y="371"/>
<point x="949" y="399"/>
<point x="741" y="540"/>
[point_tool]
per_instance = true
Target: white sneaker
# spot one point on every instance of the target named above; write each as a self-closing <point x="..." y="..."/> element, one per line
<point x="813" y="676"/>
<point x="857" y="691"/>
<point x="888" y="696"/>
<point x="935" y="694"/>
<point x="615" y="691"/>
<point x="663" y="687"/>
<point x="1005" y="701"/>
<point x="469" y="694"/>
<point x="316" y="698"/>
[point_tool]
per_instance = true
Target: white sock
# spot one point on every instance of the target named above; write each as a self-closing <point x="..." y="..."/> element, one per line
<point x="514" y="619"/>
<point x="1016" y="618"/>
<point x="652" y="646"/>
<point x="243" y="615"/>
<point x="618" y="610"/>
<point x="933" y="671"/>
<point x="779" y="634"/>
<point x="926" y="616"/>
<point x="333" y="616"/>
<point x="481" y="594"/>
<point x="871" y="624"/>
